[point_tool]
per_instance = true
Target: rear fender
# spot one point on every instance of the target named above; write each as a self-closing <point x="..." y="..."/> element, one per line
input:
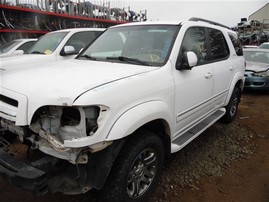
<point x="238" y="80"/>
<point x="138" y="116"/>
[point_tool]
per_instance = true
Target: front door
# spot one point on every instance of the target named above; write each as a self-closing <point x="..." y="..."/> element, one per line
<point x="194" y="88"/>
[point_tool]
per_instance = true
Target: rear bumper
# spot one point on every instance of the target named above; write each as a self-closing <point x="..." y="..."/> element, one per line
<point x="22" y="175"/>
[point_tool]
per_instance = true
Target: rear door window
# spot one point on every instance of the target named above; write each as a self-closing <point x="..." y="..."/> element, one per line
<point x="217" y="44"/>
<point x="237" y="45"/>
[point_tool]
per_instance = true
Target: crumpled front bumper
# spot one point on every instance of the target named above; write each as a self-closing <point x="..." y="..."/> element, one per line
<point x="22" y="174"/>
<point x="256" y="82"/>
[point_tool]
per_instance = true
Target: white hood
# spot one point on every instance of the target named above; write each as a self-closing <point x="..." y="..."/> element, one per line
<point x="62" y="82"/>
<point x="25" y="59"/>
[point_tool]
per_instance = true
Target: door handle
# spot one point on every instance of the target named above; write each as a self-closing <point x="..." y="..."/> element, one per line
<point x="208" y="75"/>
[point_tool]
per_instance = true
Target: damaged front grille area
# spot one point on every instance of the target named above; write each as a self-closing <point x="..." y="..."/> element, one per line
<point x="13" y="106"/>
<point x="13" y="158"/>
<point x="27" y="168"/>
<point x="22" y="163"/>
<point x="23" y="175"/>
<point x="61" y="131"/>
<point x="52" y="126"/>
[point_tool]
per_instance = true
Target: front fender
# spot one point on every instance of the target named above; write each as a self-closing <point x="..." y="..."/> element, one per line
<point x="138" y="116"/>
<point x="237" y="78"/>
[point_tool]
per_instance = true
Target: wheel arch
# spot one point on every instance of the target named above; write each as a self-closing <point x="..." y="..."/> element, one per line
<point x="140" y="116"/>
<point x="238" y="82"/>
<point x="154" y="116"/>
<point x="107" y="157"/>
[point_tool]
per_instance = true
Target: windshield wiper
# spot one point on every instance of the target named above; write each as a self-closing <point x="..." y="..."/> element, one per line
<point x="88" y="57"/>
<point x="36" y="52"/>
<point x="129" y="60"/>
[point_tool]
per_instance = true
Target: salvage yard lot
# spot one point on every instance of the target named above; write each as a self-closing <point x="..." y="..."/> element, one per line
<point x="225" y="163"/>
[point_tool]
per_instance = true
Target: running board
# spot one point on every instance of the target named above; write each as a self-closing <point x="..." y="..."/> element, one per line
<point x="191" y="134"/>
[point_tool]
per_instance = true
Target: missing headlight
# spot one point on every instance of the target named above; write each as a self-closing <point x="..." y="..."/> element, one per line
<point x="65" y="123"/>
<point x="91" y="115"/>
<point x="70" y="117"/>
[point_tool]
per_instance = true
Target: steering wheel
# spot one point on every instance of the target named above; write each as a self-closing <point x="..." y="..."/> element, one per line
<point x="156" y="53"/>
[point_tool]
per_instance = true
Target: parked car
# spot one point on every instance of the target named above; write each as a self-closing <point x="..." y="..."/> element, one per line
<point x="257" y="68"/>
<point x="107" y="119"/>
<point x="16" y="47"/>
<point x="250" y="46"/>
<point x="57" y="45"/>
<point x="264" y="45"/>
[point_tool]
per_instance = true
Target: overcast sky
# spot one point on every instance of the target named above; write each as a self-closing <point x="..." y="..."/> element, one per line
<point x="228" y="12"/>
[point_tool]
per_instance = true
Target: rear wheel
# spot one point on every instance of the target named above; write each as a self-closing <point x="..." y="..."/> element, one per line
<point x="232" y="106"/>
<point x="136" y="170"/>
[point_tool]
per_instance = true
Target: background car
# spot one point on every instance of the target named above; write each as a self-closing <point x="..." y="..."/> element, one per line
<point x="250" y="46"/>
<point x="264" y="45"/>
<point x="16" y="47"/>
<point x="257" y="68"/>
<point x="57" y="45"/>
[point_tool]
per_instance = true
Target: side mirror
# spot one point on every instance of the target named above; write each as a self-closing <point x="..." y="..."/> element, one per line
<point x="18" y="52"/>
<point x="67" y="50"/>
<point x="189" y="60"/>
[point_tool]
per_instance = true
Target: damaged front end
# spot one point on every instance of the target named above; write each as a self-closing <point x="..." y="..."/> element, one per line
<point x="58" y="167"/>
<point x="51" y="126"/>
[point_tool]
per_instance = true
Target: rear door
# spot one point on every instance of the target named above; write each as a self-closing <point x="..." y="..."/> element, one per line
<point x="223" y="67"/>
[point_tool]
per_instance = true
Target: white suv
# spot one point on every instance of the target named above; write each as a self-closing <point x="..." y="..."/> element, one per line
<point x="57" y="45"/>
<point x="107" y="119"/>
<point x="16" y="47"/>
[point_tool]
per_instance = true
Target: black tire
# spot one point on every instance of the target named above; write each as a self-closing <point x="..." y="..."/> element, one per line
<point x="231" y="108"/>
<point x="136" y="170"/>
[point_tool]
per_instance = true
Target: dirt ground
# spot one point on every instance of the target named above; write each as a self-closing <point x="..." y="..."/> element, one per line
<point x="245" y="179"/>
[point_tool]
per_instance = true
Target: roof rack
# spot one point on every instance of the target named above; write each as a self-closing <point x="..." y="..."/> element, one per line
<point x="208" y="21"/>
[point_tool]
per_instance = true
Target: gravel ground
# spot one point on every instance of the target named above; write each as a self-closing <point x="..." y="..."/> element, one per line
<point x="207" y="156"/>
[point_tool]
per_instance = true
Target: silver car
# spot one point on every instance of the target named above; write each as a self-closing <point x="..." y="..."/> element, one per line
<point x="257" y="68"/>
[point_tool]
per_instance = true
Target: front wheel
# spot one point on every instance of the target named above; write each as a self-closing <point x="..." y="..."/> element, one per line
<point x="232" y="106"/>
<point x="136" y="170"/>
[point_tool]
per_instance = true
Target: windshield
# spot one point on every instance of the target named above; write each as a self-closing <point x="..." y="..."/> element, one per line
<point x="257" y="56"/>
<point x="266" y="46"/>
<point x="48" y="43"/>
<point x="143" y="45"/>
<point x="7" y="47"/>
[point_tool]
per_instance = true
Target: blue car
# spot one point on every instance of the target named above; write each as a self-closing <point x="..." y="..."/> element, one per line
<point x="257" y="68"/>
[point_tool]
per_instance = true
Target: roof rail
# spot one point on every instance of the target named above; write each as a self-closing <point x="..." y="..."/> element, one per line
<point x="208" y="21"/>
